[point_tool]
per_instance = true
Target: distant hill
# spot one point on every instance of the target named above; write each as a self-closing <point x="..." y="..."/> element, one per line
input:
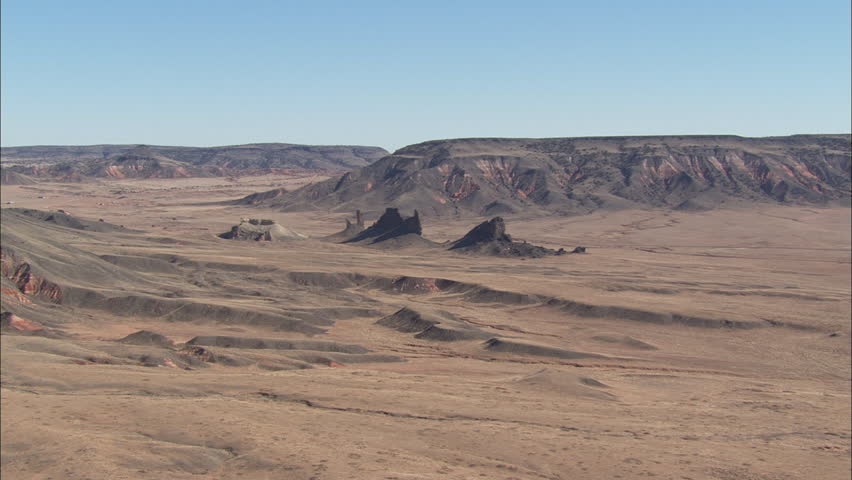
<point x="493" y="176"/>
<point x="74" y="163"/>
<point x="8" y="177"/>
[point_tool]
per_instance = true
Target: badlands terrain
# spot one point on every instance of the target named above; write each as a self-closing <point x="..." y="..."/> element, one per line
<point x="685" y="343"/>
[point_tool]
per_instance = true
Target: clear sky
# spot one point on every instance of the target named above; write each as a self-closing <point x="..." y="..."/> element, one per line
<point x="392" y="73"/>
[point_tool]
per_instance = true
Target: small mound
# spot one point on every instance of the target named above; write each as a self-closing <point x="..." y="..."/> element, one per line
<point x="407" y="321"/>
<point x="564" y="383"/>
<point x="65" y="219"/>
<point x="592" y="382"/>
<point x="442" y="328"/>
<point x="518" y="348"/>
<point x="498" y="208"/>
<point x="275" y="344"/>
<point x="147" y="338"/>
<point x="625" y="340"/>
<point x="260" y="230"/>
<point x="403" y="242"/>
<point x="443" y="334"/>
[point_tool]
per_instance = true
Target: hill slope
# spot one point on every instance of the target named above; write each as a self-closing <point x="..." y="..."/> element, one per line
<point x="576" y="175"/>
<point x="79" y="162"/>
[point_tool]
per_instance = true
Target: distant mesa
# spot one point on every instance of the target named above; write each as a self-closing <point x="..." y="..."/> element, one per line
<point x="501" y="176"/>
<point x="256" y="229"/>
<point x="24" y="165"/>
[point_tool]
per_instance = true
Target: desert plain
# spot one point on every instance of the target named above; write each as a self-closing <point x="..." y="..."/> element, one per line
<point x="682" y="345"/>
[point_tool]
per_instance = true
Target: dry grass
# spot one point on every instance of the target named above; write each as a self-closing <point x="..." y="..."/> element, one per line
<point x="765" y="403"/>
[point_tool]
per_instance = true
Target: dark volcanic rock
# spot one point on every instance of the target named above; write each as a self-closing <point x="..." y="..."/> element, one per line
<point x="490" y="238"/>
<point x="390" y="225"/>
<point x="493" y="230"/>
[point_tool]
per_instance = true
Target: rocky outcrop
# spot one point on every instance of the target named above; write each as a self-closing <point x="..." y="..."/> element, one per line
<point x="260" y="230"/>
<point x="28" y="282"/>
<point x="389" y="226"/>
<point x="11" y="322"/>
<point x="493" y="230"/>
<point x="490" y="238"/>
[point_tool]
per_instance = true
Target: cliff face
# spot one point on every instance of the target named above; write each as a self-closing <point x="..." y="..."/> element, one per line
<point x="28" y="282"/>
<point x="576" y="175"/>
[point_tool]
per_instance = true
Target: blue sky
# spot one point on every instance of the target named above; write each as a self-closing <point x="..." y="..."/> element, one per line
<point x="393" y="73"/>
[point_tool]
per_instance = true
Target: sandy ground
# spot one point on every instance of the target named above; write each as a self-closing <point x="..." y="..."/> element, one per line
<point x="640" y="399"/>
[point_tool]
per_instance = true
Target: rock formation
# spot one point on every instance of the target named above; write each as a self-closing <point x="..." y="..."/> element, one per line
<point x="260" y="230"/>
<point x="490" y="238"/>
<point x="493" y="230"/>
<point x="390" y="225"/>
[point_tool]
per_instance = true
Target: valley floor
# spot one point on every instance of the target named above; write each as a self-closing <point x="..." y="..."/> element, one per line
<point x="682" y="346"/>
